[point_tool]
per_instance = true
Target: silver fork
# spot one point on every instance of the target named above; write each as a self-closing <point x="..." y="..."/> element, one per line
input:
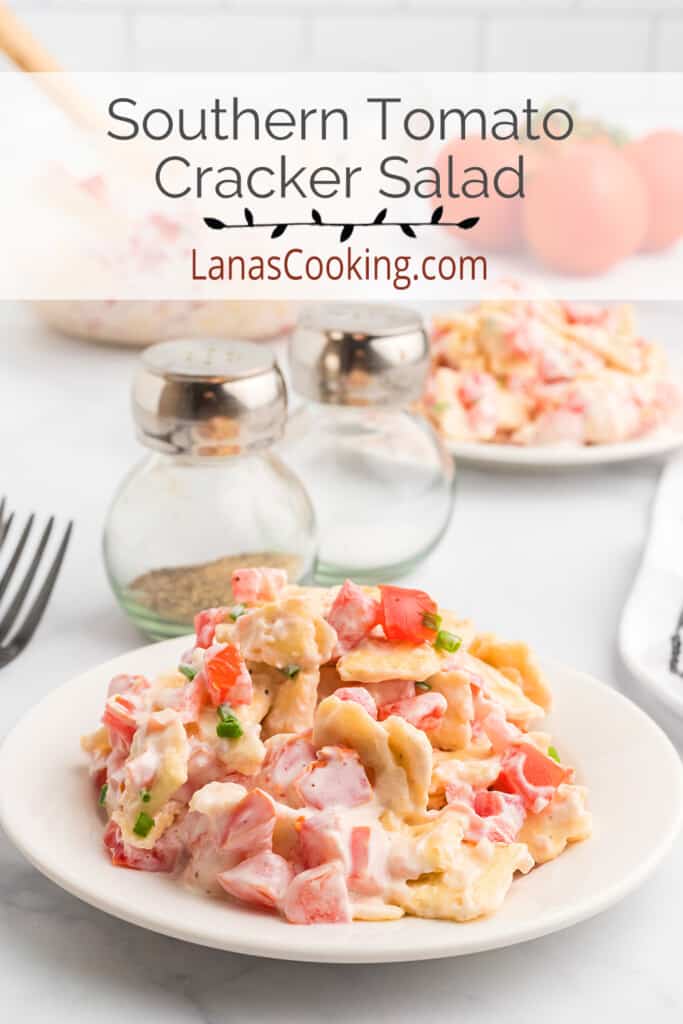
<point x="22" y="633"/>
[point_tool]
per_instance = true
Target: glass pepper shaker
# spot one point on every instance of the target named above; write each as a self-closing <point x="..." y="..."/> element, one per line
<point x="211" y="495"/>
<point x="380" y="479"/>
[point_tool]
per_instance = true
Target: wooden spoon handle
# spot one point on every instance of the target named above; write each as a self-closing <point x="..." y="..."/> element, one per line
<point x="22" y="48"/>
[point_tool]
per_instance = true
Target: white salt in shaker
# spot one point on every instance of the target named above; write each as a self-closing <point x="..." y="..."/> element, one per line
<point x="380" y="479"/>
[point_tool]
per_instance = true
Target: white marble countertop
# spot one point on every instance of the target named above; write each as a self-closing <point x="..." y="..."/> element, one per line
<point x="545" y="557"/>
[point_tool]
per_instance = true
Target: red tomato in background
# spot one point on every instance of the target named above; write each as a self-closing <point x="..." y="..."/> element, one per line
<point x="585" y="210"/>
<point x="658" y="158"/>
<point x="403" y="614"/>
<point x="500" y="225"/>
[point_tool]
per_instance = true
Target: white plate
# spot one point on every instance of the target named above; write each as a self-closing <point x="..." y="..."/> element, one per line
<point x="47" y="807"/>
<point x="558" y="456"/>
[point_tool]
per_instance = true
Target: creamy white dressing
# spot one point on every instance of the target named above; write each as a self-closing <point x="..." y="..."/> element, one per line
<point x="180" y="775"/>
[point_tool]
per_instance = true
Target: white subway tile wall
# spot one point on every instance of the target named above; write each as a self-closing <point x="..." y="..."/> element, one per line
<point x="505" y="35"/>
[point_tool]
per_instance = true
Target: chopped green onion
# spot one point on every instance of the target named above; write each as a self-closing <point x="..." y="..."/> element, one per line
<point x="446" y="641"/>
<point x="188" y="671"/>
<point x="552" y="752"/>
<point x="103" y="795"/>
<point x="229" y="730"/>
<point x="145" y="796"/>
<point x="228" y="727"/>
<point x="143" y="824"/>
<point x="236" y="611"/>
<point x="291" y="671"/>
<point x="422" y="686"/>
<point x="430" y="620"/>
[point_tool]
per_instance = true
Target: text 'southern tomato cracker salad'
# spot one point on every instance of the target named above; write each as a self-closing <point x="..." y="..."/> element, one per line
<point x="353" y="753"/>
<point x="543" y="372"/>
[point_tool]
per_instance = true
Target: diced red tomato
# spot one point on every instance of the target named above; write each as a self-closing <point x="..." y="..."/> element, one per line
<point x="542" y="770"/>
<point x="119" y="717"/>
<point x="352" y="616"/>
<point x="424" y="711"/>
<point x="205" y="623"/>
<point x="284" y="762"/>
<point x="497" y="817"/>
<point x="318" y="896"/>
<point x="532" y="775"/>
<point x="360" y="878"/>
<point x="262" y="879"/>
<point x="252" y="585"/>
<point x="359" y="695"/>
<point x="162" y="857"/>
<point x="250" y="825"/>
<point x="320" y="839"/>
<point x="539" y="769"/>
<point x="226" y="676"/>
<point x="487" y="802"/>
<point x="114" y="843"/>
<point x="500" y="817"/>
<point x="403" y="614"/>
<point x="337" y="778"/>
<point x="360" y="849"/>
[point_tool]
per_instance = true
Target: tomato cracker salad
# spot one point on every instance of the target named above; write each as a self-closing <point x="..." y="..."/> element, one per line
<point x="352" y="753"/>
<point x="542" y="372"/>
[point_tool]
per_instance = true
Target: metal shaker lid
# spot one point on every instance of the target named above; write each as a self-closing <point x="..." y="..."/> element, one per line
<point x="359" y="354"/>
<point x="209" y="397"/>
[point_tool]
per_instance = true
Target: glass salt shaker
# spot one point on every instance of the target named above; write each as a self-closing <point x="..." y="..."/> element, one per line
<point x="380" y="479"/>
<point x="211" y="495"/>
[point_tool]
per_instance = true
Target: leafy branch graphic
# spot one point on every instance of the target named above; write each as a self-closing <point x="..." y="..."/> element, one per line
<point x="347" y="229"/>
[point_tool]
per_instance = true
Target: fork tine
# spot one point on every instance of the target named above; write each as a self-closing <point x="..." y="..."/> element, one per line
<point x="12" y="564"/>
<point x="4" y="529"/>
<point x="35" y="612"/>
<point x="10" y="615"/>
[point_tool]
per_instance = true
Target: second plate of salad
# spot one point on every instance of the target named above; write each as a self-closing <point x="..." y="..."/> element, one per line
<point x="544" y="383"/>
